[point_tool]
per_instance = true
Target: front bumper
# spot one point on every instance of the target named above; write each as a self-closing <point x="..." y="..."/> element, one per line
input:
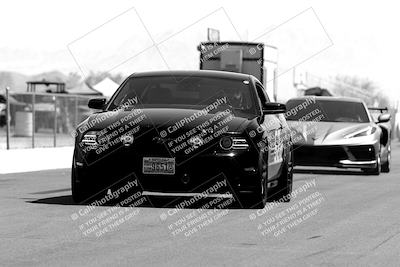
<point x="239" y="168"/>
<point x="340" y="156"/>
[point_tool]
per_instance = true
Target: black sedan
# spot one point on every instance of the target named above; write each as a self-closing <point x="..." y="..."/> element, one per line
<point x="338" y="132"/>
<point x="186" y="132"/>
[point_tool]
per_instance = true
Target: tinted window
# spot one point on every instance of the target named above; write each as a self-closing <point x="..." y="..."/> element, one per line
<point x="188" y="92"/>
<point x="326" y="110"/>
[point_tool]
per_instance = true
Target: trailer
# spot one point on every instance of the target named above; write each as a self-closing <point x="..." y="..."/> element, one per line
<point x="242" y="57"/>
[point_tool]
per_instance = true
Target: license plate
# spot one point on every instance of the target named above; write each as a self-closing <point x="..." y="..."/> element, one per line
<point x="152" y="165"/>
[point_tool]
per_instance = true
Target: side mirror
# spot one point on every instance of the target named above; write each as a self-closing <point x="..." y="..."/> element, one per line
<point x="274" y="108"/>
<point x="97" y="103"/>
<point x="384" y="118"/>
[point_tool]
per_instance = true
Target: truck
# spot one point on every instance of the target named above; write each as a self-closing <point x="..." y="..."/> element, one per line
<point x="242" y="57"/>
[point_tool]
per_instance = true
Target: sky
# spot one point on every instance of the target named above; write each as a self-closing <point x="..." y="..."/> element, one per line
<point x="325" y="38"/>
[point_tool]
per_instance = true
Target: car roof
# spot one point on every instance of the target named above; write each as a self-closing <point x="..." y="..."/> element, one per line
<point x="330" y="98"/>
<point x="195" y="73"/>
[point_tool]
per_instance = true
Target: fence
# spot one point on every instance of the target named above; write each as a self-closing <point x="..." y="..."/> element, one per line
<point x="41" y="119"/>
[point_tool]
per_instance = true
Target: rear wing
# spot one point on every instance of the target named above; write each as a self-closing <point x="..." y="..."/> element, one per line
<point x="382" y="110"/>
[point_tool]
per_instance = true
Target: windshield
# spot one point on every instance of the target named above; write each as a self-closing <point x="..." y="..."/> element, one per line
<point x="185" y="92"/>
<point x="326" y="110"/>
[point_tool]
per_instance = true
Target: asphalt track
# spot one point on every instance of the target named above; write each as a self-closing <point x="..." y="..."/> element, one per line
<point x="345" y="219"/>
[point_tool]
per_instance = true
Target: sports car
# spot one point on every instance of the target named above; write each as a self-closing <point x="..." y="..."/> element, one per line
<point x="183" y="132"/>
<point x="338" y="132"/>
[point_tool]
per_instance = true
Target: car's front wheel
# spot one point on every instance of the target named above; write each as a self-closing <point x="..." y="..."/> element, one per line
<point x="377" y="169"/>
<point x="258" y="198"/>
<point x="254" y="200"/>
<point x="79" y="195"/>
<point x="386" y="165"/>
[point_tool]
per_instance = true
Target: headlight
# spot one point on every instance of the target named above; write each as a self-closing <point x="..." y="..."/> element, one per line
<point x="236" y="143"/>
<point x="362" y="132"/>
<point x="89" y="139"/>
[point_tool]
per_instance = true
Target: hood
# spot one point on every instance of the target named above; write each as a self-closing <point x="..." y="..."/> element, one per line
<point x="328" y="133"/>
<point x="171" y="120"/>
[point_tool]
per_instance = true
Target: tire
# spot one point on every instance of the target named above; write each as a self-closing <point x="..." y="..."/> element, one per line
<point x="79" y="196"/>
<point x="386" y="165"/>
<point x="282" y="192"/>
<point x="258" y="198"/>
<point x="377" y="169"/>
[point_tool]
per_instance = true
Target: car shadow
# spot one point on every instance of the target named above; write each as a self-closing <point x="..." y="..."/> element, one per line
<point x="329" y="172"/>
<point x="67" y="200"/>
<point x="61" y="200"/>
<point x="151" y="202"/>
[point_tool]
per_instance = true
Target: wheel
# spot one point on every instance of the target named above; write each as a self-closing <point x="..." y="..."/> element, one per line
<point x="258" y="198"/>
<point x="377" y="169"/>
<point x="78" y="194"/>
<point x="282" y="192"/>
<point x="255" y="200"/>
<point x="386" y="165"/>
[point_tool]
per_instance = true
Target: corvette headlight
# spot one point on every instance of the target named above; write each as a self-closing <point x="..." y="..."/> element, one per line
<point x="89" y="139"/>
<point x="362" y="132"/>
<point x="235" y="143"/>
